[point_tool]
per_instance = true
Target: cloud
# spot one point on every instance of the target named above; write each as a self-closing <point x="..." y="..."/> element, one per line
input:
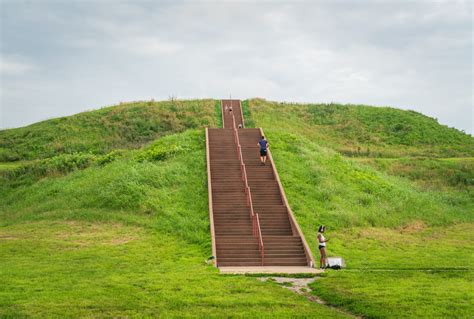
<point x="408" y="54"/>
<point x="13" y="66"/>
<point x="149" y="46"/>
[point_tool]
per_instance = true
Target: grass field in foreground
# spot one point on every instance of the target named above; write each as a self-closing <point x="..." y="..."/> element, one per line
<point x="82" y="269"/>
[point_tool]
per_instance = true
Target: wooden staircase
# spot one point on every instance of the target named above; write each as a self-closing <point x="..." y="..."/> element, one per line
<point x="251" y="222"/>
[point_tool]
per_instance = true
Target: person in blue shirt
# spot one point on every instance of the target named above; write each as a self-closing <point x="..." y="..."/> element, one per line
<point x="263" y="149"/>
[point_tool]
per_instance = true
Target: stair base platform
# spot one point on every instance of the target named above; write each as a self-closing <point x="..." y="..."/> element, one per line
<point x="269" y="270"/>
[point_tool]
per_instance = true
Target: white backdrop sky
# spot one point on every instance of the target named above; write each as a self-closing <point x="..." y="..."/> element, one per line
<point x="62" y="57"/>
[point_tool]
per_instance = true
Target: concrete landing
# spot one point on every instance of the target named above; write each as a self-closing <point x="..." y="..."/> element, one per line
<point x="270" y="270"/>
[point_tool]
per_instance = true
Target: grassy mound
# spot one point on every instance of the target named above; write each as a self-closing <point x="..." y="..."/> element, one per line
<point x="114" y="222"/>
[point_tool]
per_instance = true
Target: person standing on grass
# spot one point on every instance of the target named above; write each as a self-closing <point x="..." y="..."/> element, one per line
<point x="263" y="149"/>
<point x="323" y="262"/>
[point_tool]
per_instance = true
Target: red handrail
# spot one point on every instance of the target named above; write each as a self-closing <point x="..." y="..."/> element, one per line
<point x="257" y="232"/>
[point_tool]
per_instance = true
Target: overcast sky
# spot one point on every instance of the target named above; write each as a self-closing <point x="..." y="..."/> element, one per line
<point x="62" y="57"/>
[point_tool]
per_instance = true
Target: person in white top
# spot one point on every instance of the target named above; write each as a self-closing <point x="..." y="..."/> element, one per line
<point x="322" y="247"/>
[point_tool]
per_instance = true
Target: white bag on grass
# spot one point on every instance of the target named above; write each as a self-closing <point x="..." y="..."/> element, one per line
<point x="336" y="262"/>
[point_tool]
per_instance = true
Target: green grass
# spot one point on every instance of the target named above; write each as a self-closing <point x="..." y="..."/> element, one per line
<point x="430" y="173"/>
<point x="412" y="247"/>
<point x="80" y="269"/>
<point x="324" y="187"/>
<point x="128" y="125"/>
<point x="9" y="166"/>
<point x="400" y="294"/>
<point x="248" y="119"/>
<point x="218" y="109"/>
<point x="166" y="193"/>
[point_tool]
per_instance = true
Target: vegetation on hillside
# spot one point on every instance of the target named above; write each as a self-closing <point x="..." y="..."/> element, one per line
<point x="128" y="125"/>
<point x="324" y="187"/>
<point x="445" y="174"/>
<point x="359" y="130"/>
<point x="144" y="182"/>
